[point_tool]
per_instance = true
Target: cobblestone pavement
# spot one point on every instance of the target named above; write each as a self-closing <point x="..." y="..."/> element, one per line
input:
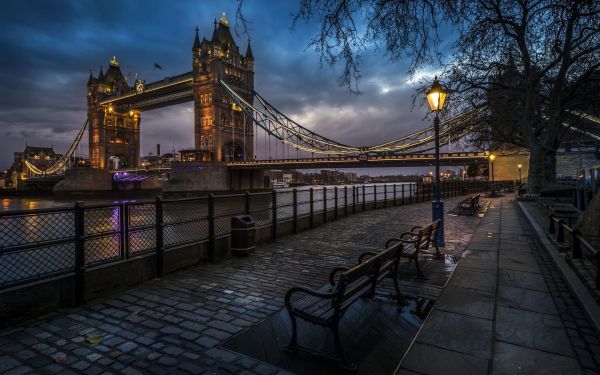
<point x="174" y="325"/>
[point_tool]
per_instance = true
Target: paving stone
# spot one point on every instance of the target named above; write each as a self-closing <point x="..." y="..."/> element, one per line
<point x="207" y="342"/>
<point x="461" y="333"/>
<point x="18" y="371"/>
<point x="224" y="326"/>
<point x="526" y="280"/>
<point x="127" y="347"/>
<point x="221" y="355"/>
<point x="526" y="299"/>
<point x="513" y="359"/>
<point x="472" y="302"/>
<point x="485" y="281"/>
<point x="532" y="330"/>
<point x="166" y="361"/>
<point x="80" y="365"/>
<point x="6" y="363"/>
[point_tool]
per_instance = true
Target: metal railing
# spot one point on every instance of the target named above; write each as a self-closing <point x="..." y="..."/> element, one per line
<point x="578" y="245"/>
<point x="45" y="243"/>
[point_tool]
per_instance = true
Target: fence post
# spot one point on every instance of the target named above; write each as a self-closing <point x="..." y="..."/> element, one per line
<point x="402" y="194"/>
<point x="394" y="204"/>
<point x="374" y="196"/>
<point x="274" y="218"/>
<point x="211" y="227"/>
<point x="551" y="229"/>
<point x="385" y="195"/>
<point x="158" y="228"/>
<point x="575" y="245"/>
<point x="295" y="200"/>
<point x="324" y="204"/>
<point x="335" y="200"/>
<point x="364" y="200"/>
<point x="79" y="253"/>
<point x="561" y="232"/>
<point x="345" y="200"/>
<point x="311" y="217"/>
<point x="247" y="203"/>
<point x="124" y="228"/>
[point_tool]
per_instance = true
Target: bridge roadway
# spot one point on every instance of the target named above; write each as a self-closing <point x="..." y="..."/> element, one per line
<point x="406" y="160"/>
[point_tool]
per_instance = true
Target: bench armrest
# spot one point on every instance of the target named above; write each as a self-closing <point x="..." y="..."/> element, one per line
<point x="364" y="255"/>
<point x="417" y="227"/>
<point x="300" y="289"/>
<point x="413" y="241"/>
<point x="333" y="272"/>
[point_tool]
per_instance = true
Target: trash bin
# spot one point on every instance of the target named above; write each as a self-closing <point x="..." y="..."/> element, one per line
<point x="243" y="231"/>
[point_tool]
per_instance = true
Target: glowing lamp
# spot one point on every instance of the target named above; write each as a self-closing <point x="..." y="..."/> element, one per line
<point x="492" y="157"/>
<point x="436" y="96"/>
<point x="520" y="166"/>
<point x="110" y="109"/>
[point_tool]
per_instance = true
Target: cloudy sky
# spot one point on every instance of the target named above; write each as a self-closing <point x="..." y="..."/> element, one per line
<point x="48" y="48"/>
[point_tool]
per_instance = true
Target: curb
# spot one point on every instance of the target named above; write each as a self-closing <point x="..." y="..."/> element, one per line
<point x="588" y="303"/>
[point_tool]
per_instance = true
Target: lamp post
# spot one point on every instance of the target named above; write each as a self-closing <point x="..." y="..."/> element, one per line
<point x="520" y="166"/>
<point x="436" y="96"/>
<point x="492" y="158"/>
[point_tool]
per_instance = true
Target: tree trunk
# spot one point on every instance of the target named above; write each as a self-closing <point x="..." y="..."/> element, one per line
<point x="542" y="168"/>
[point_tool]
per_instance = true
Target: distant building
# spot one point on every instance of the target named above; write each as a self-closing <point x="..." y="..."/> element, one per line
<point x="40" y="157"/>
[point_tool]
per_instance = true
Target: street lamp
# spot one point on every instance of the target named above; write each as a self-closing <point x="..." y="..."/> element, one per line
<point x="492" y="158"/>
<point x="436" y="97"/>
<point x="520" y="166"/>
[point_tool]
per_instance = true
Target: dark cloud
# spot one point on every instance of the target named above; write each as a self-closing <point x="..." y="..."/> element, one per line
<point x="49" y="47"/>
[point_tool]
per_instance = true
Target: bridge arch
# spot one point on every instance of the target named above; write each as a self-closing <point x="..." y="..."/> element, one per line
<point x="232" y="152"/>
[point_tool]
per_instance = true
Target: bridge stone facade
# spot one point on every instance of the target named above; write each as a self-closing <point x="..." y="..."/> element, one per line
<point x="222" y="132"/>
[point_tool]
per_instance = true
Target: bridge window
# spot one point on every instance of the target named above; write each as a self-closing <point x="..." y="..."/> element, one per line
<point x="96" y="138"/>
<point x="120" y="123"/>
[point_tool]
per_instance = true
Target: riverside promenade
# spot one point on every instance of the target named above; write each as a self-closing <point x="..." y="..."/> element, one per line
<point x="504" y="309"/>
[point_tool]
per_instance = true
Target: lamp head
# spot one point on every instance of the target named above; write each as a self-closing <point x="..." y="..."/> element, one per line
<point x="436" y="96"/>
<point x="492" y="157"/>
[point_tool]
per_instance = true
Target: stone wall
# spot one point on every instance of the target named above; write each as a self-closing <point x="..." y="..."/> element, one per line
<point x="506" y="167"/>
<point x="85" y="179"/>
<point x="197" y="176"/>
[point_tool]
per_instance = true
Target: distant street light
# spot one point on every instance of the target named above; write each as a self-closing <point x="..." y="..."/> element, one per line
<point x="436" y="97"/>
<point x="520" y="166"/>
<point x="492" y="158"/>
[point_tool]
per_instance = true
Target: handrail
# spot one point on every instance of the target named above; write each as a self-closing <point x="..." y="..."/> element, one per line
<point x="578" y="242"/>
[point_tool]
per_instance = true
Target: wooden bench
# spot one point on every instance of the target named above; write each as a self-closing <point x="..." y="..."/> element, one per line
<point x="418" y="240"/>
<point x="326" y="307"/>
<point x="471" y="204"/>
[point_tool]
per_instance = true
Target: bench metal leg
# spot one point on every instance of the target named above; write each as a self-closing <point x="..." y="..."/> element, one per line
<point x="343" y="361"/>
<point x="420" y="274"/>
<point x="293" y="345"/>
<point x="399" y="298"/>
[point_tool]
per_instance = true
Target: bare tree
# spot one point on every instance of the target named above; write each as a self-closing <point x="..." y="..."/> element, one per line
<point x="527" y="61"/>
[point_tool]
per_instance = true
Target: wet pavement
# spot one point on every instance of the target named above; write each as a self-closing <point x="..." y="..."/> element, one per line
<point x="176" y="325"/>
<point x="505" y="310"/>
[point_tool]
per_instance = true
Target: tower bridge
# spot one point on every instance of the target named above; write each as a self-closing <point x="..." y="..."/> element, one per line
<point x="230" y="117"/>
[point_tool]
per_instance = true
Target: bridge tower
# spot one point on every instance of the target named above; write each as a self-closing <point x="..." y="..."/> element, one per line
<point x="221" y="131"/>
<point x="114" y="137"/>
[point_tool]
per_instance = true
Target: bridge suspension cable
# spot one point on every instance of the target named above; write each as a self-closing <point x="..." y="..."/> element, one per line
<point x="64" y="160"/>
<point x="278" y="125"/>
